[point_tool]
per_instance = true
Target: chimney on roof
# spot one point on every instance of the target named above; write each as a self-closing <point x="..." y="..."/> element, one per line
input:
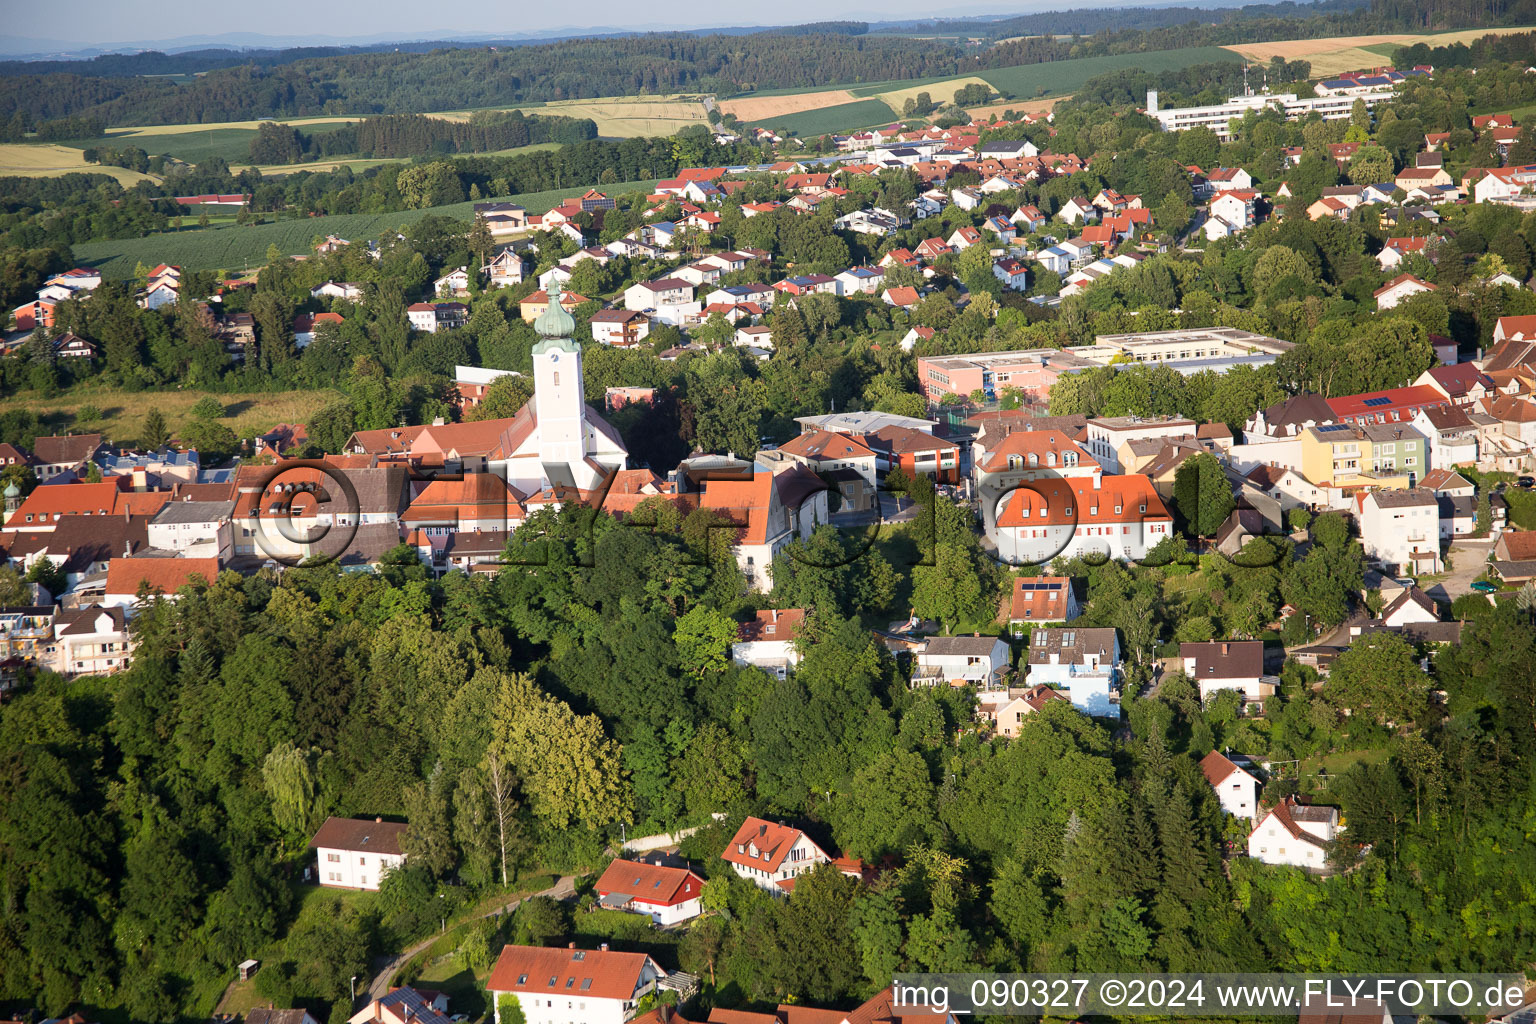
<point x="1225" y="648"/>
<point x="570" y="945"/>
<point x="378" y="821"/>
<point x="762" y="830"/>
<point x="603" y="946"/>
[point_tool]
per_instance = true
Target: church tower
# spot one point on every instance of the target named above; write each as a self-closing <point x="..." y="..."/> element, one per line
<point x="558" y="399"/>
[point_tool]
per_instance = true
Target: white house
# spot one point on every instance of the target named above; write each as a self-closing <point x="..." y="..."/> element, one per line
<point x="860" y="281"/>
<point x="770" y="856"/>
<point x="665" y="894"/>
<point x="506" y="269"/>
<point x="356" y="853"/>
<point x="455" y="282"/>
<point x="198" y="529"/>
<point x="1401" y="529"/>
<point x="980" y="661"/>
<point x="648" y="295"/>
<point x="1121" y="517"/>
<point x="1012" y="273"/>
<point x="767" y="641"/>
<point x="1038" y="601"/>
<point x="1228" y="665"/>
<point x="1399" y="288"/>
<point x="1078" y="210"/>
<point x="1294" y="834"/>
<point x="347" y="290"/>
<point x="162" y="294"/>
<point x="1236" y="789"/>
<point x="1084" y="663"/>
<point x="572" y="986"/>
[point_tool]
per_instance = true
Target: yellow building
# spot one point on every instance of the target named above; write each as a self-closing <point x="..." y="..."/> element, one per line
<point x="1362" y="458"/>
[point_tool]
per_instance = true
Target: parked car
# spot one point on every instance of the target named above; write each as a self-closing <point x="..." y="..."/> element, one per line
<point x="1484" y="587"/>
<point x="1526" y="481"/>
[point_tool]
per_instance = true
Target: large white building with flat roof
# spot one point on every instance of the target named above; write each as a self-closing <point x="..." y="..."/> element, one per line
<point x="1217" y="116"/>
<point x="1188" y="351"/>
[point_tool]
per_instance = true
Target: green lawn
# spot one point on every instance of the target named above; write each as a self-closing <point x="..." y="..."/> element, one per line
<point x="236" y="248"/>
<point x="233" y="144"/>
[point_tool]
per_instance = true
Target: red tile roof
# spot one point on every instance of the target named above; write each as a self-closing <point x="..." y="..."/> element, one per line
<point x="762" y="844"/>
<point x="166" y="575"/>
<point x="1088" y="504"/>
<point x="1039" y="599"/>
<point x="655" y="884"/>
<point x="597" y="973"/>
<point x="370" y="835"/>
<point x="778" y="624"/>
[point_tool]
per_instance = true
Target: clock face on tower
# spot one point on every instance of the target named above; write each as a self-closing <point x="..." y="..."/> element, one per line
<point x="554" y="357"/>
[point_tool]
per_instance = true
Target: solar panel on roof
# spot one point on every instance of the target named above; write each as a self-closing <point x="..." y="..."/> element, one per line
<point x="1378" y="401"/>
<point x="1329" y="428"/>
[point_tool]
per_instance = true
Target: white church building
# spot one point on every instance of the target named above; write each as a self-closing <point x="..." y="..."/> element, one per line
<point x="556" y="441"/>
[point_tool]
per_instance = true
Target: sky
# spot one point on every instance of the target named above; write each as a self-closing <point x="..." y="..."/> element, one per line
<point x="95" y="22"/>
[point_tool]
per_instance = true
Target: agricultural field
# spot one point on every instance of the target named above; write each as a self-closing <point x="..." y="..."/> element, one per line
<point x="618" y="117"/>
<point x="1029" y="85"/>
<point x="1057" y="78"/>
<point x="238" y="248"/>
<point x="843" y="117"/>
<point x="47" y="160"/>
<point x="362" y="164"/>
<point x="1336" y="54"/>
<point x="762" y="107"/>
<point x="943" y="92"/>
<point x="121" y="413"/>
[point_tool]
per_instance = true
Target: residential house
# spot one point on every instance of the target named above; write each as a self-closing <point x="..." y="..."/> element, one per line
<point x="403" y="1005"/>
<point x="860" y="281"/>
<point x="502" y="218"/>
<point x="1120" y="517"/>
<point x="905" y="297"/>
<point x="1084" y="663"/>
<point x="771" y="855"/>
<point x="846" y="459"/>
<point x="1451" y="434"/>
<point x="1401" y="529"/>
<point x="768" y="640"/>
<point x="1228" y="665"/>
<point x="621" y="328"/>
<point x="356" y="853"/>
<point x="979" y="661"/>
<point x="64" y="457"/>
<point x="1012" y="273"/>
<point x="562" y="985"/>
<point x="1107" y="436"/>
<point x="437" y="316"/>
<point x="127" y="578"/>
<point x="537" y="304"/>
<point x="914" y="452"/>
<point x="1236" y="789"/>
<point x="470" y="383"/>
<point x="1397" y="405"/>
<point x="963" y="238"/>
<point x="1399" y="288"/>
<point x="665" y="894"/>
<point x="507" y="269"/>
<point x="305" y="324"/>
<point x="197" y="529"/>
<point x="1464" y="384"/>
<point x="1229" y="179"/>
<point x="1039" y="601"/>
<point x="1022" y="703"/>
<point x="771" y="508"/>
<point x="1294" y="834"/>
<point x="347" y="291"/>
<point x="1395" y="249"/>
<point x="651" y="295"/>
<point x="1078" y="210"/>
<point x="1029" y="219"/>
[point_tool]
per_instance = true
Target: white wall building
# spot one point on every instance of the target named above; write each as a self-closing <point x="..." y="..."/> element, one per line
<point x="770" y="855"/>
<point x="1236" y="790"/>
<point x="1294" y="834"/>
<point x="1083" y="663"/>
<point x="572" y="986"/>
<point x="356" y="853"/>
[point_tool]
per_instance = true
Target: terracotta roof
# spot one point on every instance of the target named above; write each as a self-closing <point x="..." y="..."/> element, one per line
<point x="1286" y="812"/>
<point x="371" y="835"/>
<point x="50" y="501"/>
<point x="903" y="296"/>
<point x="1402" y="279"/>
<point x="597" y="973"/>
<point x="1039" y="599"/>
<point x="166" y="575"/>
<point x="764" y="844"/>
<point x="475" y="496"/>
<point x="825" y="445"/>
<point x="1217" y="767"/>
<point x="1444" y="479"/>
<point x="772" y="624"/>
<point x="1518" y="545"/>
<point x="650" y="883"/>
<point x="1413" y="397"/>
<point x="898" y="440"/>
<point x="1075" y="500"/>
<point x="1040" y="443"/>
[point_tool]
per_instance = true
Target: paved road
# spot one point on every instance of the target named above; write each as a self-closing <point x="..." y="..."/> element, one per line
<point x="384" y="967"/>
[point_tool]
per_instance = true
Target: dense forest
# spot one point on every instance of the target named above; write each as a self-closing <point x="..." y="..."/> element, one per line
<point x="453" y="78"/>
<point x="392" y="136"/>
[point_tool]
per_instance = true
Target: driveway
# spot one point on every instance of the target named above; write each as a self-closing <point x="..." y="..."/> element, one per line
<point x="1468" y="559"/>
<point x="384" y="967"/>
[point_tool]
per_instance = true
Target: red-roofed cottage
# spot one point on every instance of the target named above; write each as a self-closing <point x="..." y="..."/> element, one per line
<point x="665" y="894"/>
<point x="572" y="986"/>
